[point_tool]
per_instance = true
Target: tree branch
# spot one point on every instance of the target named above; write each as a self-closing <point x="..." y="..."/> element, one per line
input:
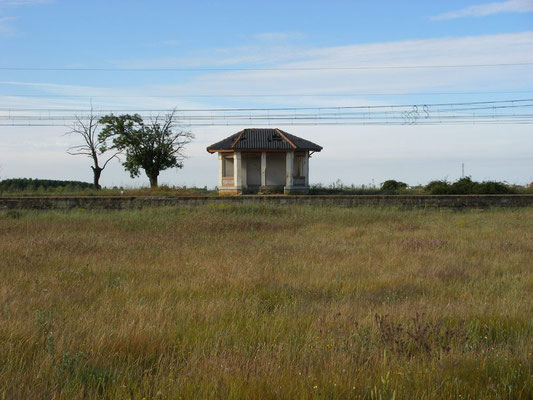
<point x="110" y="158"/>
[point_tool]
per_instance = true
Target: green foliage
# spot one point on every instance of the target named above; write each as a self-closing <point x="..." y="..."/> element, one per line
<point x="468" y="186"/>
<point x="74" y="189"/>
<point x="462" y="186"/>
<point x="41" y="185"/>
<point x="393" y="186"/>
<point x="153" y="147"/>
<point x="437" y="187"/>
<point x="340" y="188"/>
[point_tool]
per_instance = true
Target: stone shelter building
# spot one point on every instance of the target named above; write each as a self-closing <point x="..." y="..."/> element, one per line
<point x="263" y="161"/>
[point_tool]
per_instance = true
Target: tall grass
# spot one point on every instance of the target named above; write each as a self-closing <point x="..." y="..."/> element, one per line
<point x="262" y="302"/>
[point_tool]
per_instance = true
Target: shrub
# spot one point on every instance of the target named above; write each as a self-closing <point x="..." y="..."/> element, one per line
<point x="438" y="187"/>
<point x="340" y="188"/>
<point x="491" y="187"/>
<point x="393" y="186"/>
<point x="468" y="186"/>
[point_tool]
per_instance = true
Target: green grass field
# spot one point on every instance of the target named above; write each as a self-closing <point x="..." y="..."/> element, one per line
<point x="269" y="302"/>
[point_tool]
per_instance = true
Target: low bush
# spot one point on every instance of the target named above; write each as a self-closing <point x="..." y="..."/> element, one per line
<point x="339" y="188"/>
<point x="468" y="186"/>
<point x="393" y="186"/>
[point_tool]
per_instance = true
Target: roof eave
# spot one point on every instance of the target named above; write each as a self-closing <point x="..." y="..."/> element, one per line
<point x="211" y="151"/>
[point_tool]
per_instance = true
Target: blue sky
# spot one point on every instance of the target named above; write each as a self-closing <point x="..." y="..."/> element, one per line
<point x="220" y="34"/>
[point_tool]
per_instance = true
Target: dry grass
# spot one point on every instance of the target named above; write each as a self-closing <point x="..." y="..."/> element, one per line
<point x="266" y="302"/>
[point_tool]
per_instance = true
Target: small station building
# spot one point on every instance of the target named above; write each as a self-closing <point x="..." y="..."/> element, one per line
<point x="263" y="161"/>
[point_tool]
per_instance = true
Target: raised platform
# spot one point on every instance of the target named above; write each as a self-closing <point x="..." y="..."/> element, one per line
<point x="263" y="190"/>
<point x="400" y="201"/>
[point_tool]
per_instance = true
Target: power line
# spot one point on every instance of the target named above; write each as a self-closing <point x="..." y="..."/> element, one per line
<point x="221" y="95"/>
<point x="330" y="123"/>
<point x="481" y="112"/>
<point x="321" y="113"/>
<point x="221" y="69"/>
<point x="289" y="119"/>
<point x="502" y="103"/>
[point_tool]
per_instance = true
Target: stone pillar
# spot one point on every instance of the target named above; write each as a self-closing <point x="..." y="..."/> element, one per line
<point x="263" y="169"/>
<point x="306" y="169"/>
<point x="237" y="170"/>
<point x="220" y="169"/>
<point x="289" y="170"/>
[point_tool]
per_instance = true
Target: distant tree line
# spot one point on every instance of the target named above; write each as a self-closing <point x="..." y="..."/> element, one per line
<point x="33" y="185"/>
<point x="462" y="186"/>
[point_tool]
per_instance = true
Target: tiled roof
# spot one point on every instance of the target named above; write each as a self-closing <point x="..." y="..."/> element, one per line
<point x="263" y="139"/>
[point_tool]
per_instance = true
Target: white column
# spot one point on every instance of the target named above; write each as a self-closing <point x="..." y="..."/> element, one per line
<point x="237" y="169"/>
<point x="289" y="169"/>
<point x="306" y="168"/>
<point x="220" y="169"/>
<point x="244" y="176"/>
<point x="263" y="169"/>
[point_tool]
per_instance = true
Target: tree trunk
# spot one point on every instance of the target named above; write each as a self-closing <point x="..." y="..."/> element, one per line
<point x="153" y="180"/>
<point x="96" y="173"/>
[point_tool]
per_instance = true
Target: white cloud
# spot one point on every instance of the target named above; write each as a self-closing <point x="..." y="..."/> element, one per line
<point x="162" y="43"/>
<point x="6" y="29"/>
<point x="448" y="50"/>
<point x="486" y="49"/>
<point x="14" y="3"/>
<point x="5" y="26"/>
<point x="483" y="10"/>
<point x="278" y="36"/>
<point x="266" y="48"/>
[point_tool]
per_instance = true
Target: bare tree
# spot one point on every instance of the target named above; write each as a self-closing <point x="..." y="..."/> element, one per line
<point x="93" y="147"/>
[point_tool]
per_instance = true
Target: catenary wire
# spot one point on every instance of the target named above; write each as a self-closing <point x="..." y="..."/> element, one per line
<point x="210" y="69"/>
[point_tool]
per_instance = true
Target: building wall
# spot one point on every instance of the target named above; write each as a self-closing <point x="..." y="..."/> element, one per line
<point x="275" y="171"/>
<point x="253" y="170"/>
<point x="228" y="166"/>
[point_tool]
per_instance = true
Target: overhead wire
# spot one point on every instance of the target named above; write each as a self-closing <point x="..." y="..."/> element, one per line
<point x="370" y="106"/>
<point x="210" y="69"/>
<point x="259" y="95"/>
<point x="502" y="112"/>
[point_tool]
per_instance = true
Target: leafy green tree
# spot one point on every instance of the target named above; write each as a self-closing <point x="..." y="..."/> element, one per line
<point x="153" y="146"/>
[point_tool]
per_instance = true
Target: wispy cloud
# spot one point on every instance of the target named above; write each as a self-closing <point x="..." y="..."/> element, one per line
<point x="6" y="29"/>
<point x="5" y="26"/>
<point x="483" y="10"/>
<point x="483" y="49"/>
<point x="22" y="2"/>
<point x="303" y="73"/>
<point x="163" y="43"/>
<point x="278" y="36"/>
